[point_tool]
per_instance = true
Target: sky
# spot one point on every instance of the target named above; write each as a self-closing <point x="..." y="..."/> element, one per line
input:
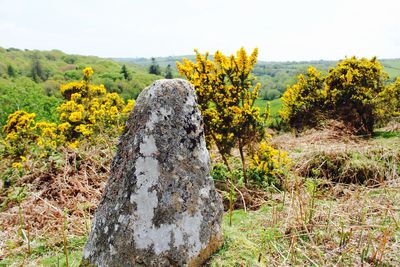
<point x="283" y="30"/>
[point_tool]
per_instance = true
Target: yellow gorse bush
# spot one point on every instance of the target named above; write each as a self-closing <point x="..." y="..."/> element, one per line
<point x="353" y="87"/>
<point x="389" y="101"/>
<point x="24" y="134"/>
<point x="19" y="132"/>
<point x="226" y="92"/>
<point x="353" y="91"/>
<point x="270" y="161"/>
<point x="88" y="111"/>
<point x="303" y="102"/>
<point x="19" y="125"/>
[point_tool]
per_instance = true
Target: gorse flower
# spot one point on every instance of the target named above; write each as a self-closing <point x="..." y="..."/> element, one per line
<point x="269" y="160"/>
<point x="87" y="72"/>
<point x="17" y="165"/>
<point x="75" y="116"/>
<point x="19" y="123"/>
<point x="88" y="110"/>
<point x="226" y="92"/>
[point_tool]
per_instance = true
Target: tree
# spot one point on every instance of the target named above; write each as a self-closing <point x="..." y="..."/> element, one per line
<point x="10" y="71"/>
<point x="37" y="72"/>
<point x="271" y="94"/>
<point x="303" y="102"/>
<point x="226" y="92"/>
<point x="168" y="72"/>
<point x="352" y="88"/>
<point x="154" y="67"/>
<point x="125" y="73"/>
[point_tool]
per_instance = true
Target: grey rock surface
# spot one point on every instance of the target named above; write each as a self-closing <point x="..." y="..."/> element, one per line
<point x="160" y="207"/>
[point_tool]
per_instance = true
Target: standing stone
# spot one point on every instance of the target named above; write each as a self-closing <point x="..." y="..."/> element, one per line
<point x="160" y="207"/>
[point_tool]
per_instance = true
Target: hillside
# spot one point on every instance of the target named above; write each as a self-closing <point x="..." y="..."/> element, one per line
<point x="31" y="79"/>
<point x="275" y="77"/>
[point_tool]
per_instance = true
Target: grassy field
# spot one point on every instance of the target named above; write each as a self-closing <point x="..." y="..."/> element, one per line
<point x="274" y="106"/>
<point x="316" y="229"/>
<point x="325" y="228"/>
<point x="392" y="67"/>
<point x="314" y="222"/>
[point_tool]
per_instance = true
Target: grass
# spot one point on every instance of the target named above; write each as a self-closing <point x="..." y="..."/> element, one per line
<point x="343" y="231"/>
<point x="45" y="254"/>
<point x="385" y="134"/>
<point x="350" y="225"/>
<point x="315" y="222"/>
<point x="274" y="106"/>
<point x="392" y="67"/>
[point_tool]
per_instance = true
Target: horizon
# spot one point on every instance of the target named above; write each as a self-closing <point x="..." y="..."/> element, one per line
<point x="285" y="31"/>
<point x="189" y="55"/>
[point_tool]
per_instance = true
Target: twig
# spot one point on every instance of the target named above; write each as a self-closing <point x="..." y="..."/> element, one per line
<point x="241" y="195"/>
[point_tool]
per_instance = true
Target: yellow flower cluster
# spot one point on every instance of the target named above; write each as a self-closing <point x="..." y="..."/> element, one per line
<point x="88" y="72"/>
<point x="302" y="102"/>
<point x="66" y="109"/>
<point x="19" y="124"/>
<point x="17" y="165"/>
<point x="47" y="136"/>
<point x="226" y="92"/>
<point x="86" y="130"/>
<point x="89" y="109"/>
<point x="270" y="161"/>
<point x="355" y="80"/>
<point x="22" y="132"/>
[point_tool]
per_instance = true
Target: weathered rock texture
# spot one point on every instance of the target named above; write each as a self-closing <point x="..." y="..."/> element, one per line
<point x="160" y="207"/>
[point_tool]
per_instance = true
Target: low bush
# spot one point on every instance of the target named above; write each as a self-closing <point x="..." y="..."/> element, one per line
<point x="368" y="167"/>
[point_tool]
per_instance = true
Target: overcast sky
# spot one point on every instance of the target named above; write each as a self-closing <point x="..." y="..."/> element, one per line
<point x="281" y="29"/>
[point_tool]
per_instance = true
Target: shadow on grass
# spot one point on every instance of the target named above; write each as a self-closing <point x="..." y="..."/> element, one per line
<point x="383" y="134"/>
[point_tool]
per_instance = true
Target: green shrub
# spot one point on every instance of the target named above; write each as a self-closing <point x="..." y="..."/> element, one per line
<point x="220" y="172"/>
<point x="23" y="93"/>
